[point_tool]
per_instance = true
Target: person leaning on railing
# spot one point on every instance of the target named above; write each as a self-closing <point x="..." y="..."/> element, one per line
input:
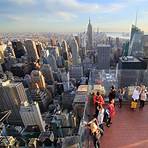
<point x="95" y="131"/>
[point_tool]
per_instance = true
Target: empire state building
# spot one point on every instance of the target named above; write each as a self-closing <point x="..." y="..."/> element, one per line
<point x="89" y="36"/>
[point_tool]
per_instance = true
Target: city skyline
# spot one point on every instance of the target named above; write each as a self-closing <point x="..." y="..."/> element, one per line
<point x="52" y="15"/>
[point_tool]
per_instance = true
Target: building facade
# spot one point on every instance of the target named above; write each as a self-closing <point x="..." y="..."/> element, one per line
<point x="31" y="115"/>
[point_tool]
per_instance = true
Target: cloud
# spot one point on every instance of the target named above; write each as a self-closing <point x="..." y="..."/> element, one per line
<point x="65" y="15"/>
<point x="21" y="2"/>
<point x="82" y="7"/>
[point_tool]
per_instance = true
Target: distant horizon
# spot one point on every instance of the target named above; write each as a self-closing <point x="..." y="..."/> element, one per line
<point x="72" y="15"/>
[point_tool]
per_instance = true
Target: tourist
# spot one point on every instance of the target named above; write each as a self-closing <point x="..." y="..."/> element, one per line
<point x="100" y="117"/>
<point x="107" y="118"/>
<point x="95" y="132"/>
<point x="135" y="97"/>
<point x="120" y="96"/>
<point x="98" y="100"/>
<point x="143" y="97"/>
<point x="112" y="112"/>
<point x="112" y="94"/>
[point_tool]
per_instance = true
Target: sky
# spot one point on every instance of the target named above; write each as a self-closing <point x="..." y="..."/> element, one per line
<point x="72" y="15"/>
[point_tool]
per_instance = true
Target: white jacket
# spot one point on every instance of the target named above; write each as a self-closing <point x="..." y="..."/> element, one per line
<point x="100" y="117"/>
<point x="136" y="94"/>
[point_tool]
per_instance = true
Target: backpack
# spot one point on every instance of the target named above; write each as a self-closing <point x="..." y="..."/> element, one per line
<point x="106" y="115"/>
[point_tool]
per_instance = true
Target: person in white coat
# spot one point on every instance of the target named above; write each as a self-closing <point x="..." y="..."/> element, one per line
<point x="136" y="94"/>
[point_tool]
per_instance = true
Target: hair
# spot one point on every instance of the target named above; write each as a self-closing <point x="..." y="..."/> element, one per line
<point x="100" y="106"/>
<point x="92" y="93"/>
<point x="98" y="93"/>
<point x="112" y="87"/>
<point x="111" y="101"/>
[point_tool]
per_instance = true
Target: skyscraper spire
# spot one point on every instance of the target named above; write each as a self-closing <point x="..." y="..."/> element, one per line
<point x="136" y="18"/>
<point x="89" y="36"/>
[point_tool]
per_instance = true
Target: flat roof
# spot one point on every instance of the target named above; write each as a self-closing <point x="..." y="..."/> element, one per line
<point x="129" y="59"/>
<point x="103" y="45"/>
<point x="82" y="88"/>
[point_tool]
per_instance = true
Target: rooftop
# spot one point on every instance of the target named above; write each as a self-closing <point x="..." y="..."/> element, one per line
<point x="129" y="59"/>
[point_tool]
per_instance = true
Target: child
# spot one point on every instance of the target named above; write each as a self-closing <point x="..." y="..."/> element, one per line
<point x="111" y="109"/>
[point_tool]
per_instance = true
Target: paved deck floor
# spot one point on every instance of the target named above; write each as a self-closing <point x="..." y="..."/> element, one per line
<point x="129" y="129"/>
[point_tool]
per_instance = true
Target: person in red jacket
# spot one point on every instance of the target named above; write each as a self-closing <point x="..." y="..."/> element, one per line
<point x="111" y="109"/>
<point x="98" y="100"/>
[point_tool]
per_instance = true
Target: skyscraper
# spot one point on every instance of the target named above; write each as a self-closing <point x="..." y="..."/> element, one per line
<point x="136" y="42"/>
<point x="39" y="48"/>
<point x="75" y="52"/>
<point x="19" y="49"/>
<point x="47" y="72"/>
<point x="31" y="115"/>
<point x="2" y="48"/>
<point x="31" y="50"/>
<point x="89" y="37"/>
<point x="145" y="46"/>
<point x="12" y="95"/>
<point x="64" y="47"/>
<point x="51" y="60"/>
<point x="103" y="56"/>
<point x="37" y="77"/>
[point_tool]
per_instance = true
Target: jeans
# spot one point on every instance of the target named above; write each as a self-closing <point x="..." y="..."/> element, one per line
<point x="95" y="141"/>
<point x="142" y="103"/>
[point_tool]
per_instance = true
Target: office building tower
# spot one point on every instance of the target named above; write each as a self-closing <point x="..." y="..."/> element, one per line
<point x="76" y="71"/>
<point x="103" y="56"/>
<point x="19" y="48"/>
<point x="31" y="50"/>
<point x="134" y="29"/>
<point x="37" y="77"/>
<point x="42" y="97"/>
<point x="60" y="62"/>
<point x="83" y="40"/>
<point x="118" y="42"/>
<point x="12" y="95"/>
<point x="31" y="115"/>
<point x="77" y="39"/>
<point x="145" y="46"/>
<point x="2" y="49"/>
<point x="64" y="47"/>
<point x="51" y="60"/>
<point x="9" y="51"/>
<point x="47" y="73"/>
<point x="53" y="41"/>
<point x="131" y="71"/>
<point x="75" y="52"/>
<point x="27" y="81"/>
<point x="20" y="69"/>
<point x="89" y="37"/>
<point x="39" y="48"/>
<point x="54" y="50"/>
<point x="136" y="42"/>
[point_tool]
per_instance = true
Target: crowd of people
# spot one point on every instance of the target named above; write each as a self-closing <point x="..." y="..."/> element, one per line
<point x="104" y="113"/>
<point x="139" y="95"/>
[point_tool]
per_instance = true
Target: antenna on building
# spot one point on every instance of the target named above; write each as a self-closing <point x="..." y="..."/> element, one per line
<point x="98" y="30"/>
<point x="136" y="18"/>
